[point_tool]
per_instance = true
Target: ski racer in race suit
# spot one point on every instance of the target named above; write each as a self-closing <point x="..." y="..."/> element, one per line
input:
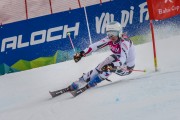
<point x="121" y="62"/>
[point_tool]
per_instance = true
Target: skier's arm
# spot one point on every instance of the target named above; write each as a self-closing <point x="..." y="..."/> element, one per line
<point x="93" y="47"/>
<point x="97" y="45"/>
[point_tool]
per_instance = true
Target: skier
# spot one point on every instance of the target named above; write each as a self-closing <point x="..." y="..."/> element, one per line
<point x="121" y="62"/>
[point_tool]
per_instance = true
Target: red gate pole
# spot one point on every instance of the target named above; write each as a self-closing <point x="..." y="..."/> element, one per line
<point x="154" y="46"/>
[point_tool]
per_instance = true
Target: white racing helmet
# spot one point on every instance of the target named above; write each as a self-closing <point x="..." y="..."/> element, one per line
<point x="114" y="29"/>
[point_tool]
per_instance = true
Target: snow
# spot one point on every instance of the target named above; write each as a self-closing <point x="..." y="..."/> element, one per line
<point x="139" y="96"/>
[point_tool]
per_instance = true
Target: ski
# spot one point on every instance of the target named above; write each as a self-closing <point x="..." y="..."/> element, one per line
<point x="59" y="92"/>
<point x="79" y="91"/>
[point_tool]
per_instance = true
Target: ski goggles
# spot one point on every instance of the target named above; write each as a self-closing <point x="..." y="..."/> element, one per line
<point x="112" y="34"/>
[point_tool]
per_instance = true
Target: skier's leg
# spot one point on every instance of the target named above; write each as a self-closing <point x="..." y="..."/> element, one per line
<point x="93" y="82"/>
<point x="108" y="60"/>
<point x="91" y="78"/>
<point x="93" y="74"/>
<point x="98" y="78"/>
<point x="83" y="80"/>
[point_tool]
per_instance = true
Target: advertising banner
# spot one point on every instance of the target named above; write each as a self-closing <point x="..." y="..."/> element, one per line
<point x="163" y="9"/>
<point x="44" y="40"/>
<point x="41" y="41"/>
<point x="133" y="16"/>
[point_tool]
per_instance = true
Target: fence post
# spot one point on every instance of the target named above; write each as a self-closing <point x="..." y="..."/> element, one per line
<point x="50" y="4"/>
<point x="100" y="1"/>
<point x="79" y="3"/>
<point x="25" y="2"/>
<point x="1" y="24"/>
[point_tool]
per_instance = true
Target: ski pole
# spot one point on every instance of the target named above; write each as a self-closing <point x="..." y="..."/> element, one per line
<point x="69" y="35"/>
<point x="139" y="70"/>
<point x="136" y="70"/>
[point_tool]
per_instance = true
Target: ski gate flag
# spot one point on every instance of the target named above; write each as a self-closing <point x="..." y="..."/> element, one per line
<point x="162" y="9"/>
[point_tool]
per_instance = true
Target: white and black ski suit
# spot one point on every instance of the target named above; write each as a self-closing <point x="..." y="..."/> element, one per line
<point x="123" y="55"/>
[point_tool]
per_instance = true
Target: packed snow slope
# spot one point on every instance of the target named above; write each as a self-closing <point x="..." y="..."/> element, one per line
<point x="139" y="96"/>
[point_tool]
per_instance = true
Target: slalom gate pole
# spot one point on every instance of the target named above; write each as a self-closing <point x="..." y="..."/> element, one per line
<point x="71" y="41"/>
<point x="154" y="45"/>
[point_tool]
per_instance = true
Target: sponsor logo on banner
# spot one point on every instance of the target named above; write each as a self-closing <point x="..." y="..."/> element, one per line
<point x="163" y="9"/>
<point x="168" y="7"/>
<point x="15" y="42"/>
<point x="126" y="17"/>
<point x="168" y="1"/>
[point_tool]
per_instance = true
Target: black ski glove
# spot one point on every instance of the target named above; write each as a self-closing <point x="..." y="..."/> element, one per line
<point x="107" y="67"/>
<point x="78" y="56"/>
